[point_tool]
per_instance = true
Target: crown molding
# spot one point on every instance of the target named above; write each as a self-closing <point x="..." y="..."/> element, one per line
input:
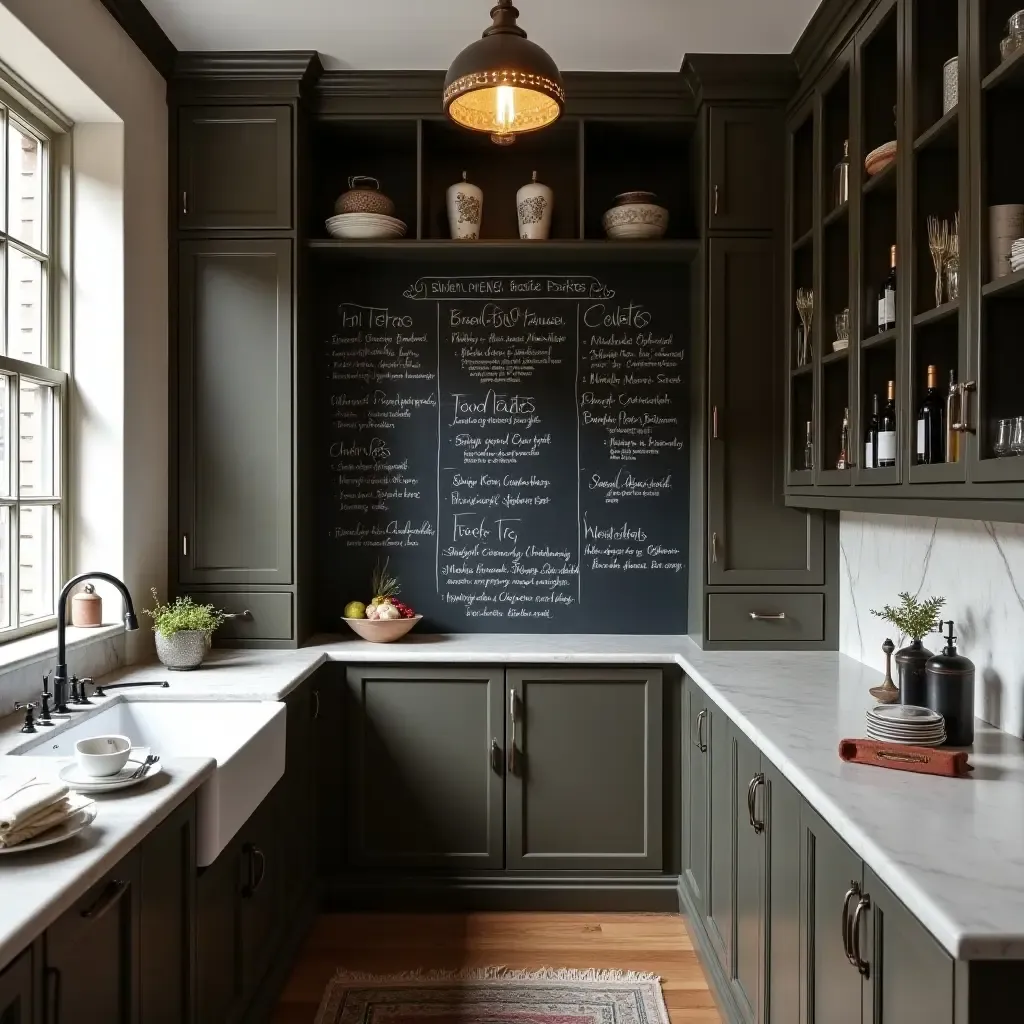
<point x="827" y="33"/>
<point x="144" y="31"/>
<point x="244" y="74"/>
<point x="724" y="77"/>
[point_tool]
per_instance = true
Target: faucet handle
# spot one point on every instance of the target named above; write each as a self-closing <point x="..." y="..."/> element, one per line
<point x="28" y="708"/>
<point x="44" y="714"/>
<point x="78" y="696"/>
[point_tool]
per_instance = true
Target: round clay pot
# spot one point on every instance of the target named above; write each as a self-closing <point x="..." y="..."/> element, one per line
<point x="182" y="651"/>
<point x="364" y="196"/>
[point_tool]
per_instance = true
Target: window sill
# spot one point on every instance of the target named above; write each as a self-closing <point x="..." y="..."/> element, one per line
<point x="40" y="645"/>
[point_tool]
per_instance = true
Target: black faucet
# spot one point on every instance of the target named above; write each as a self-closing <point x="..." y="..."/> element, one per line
<point x="60" y="675"/>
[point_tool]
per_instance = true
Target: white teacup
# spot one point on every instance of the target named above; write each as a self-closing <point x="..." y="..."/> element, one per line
<point x="103" y="755"/>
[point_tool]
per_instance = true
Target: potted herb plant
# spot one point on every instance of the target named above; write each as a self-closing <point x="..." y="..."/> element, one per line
<point x="183" y="630"/>
<point x="914" y="619"/>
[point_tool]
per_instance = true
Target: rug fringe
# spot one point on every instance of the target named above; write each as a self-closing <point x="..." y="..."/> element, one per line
<point x="498" y="973"/>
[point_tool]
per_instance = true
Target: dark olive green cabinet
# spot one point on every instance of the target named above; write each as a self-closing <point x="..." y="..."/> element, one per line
<point x="299" y="810"/>
<point x="584" y="784"/>
<point x="235" y="486"/>
<point x="739" y="140"/>
<point x="780" y="812"/>
<point x="425" y="767"/>
<point x="18" y="991"/>
<point x="753" y="539"/>
<point x="235" y="168"/>
<point x="695" y="795"/>
<point x="749" y="886"/>
<point x="719" y="899"/>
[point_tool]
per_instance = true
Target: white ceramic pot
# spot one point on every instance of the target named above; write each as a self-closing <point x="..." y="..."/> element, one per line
<point x="182" y="651"/>
<point x="534" y="204"/>
<point x="950" y="84"/>
<point x="1005" y="226"/>
<point x="465" y="209"/>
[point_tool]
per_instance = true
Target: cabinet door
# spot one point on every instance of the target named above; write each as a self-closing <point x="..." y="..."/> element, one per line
<point x="831" y="873"/>
<point x="167" y="919"/>
<point x="695" y="795"/>
<point x="910" y="977"/>
<point x="92" y="951"/>
<point x="749" y="803"/>
<point x="426" y="761"/>
<point x="235" y="167"/>
<point x="782" y="898"/>
<point x="718" y="901"/>
<point x="218" y="960"/>
<point x="18" y="991"/>
<point x="745" y="172"/>
<point x="299" y="807"/>
<point x="753" y="538"/>
<point x="234" y="412"/>
<point x="584" y="789"/>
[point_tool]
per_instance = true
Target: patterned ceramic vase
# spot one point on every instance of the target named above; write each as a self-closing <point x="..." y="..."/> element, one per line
<point x="950" y="84"/>
<point x="465" y="209"/>
<point x="534" y="203"/>
<point x="181" y="651"/>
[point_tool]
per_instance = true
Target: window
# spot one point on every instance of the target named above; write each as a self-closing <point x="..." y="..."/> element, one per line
<point x="32" y="390"/>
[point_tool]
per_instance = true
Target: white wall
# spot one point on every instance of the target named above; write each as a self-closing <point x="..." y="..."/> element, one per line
<point x="978" y="567"/>
<point x="73" y="52"/>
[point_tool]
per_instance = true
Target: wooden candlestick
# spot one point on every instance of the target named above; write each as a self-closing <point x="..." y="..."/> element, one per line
<point x="888" y="692"/>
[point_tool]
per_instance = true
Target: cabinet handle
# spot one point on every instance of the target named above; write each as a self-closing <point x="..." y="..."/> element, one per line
<point x="862" y="965"/>
<point x="757" y="780"/>
<point x="316" y="705"/>
<point x="52" y="995"/>
<point x="184" y="203"/>
<point x="245" y="616"/>
<point x="253" y="854"/>
<point x="964" y="427"/>
<point x="853" y="891"/>
<point x="701" y="745"/>
<point x="714" y="422"/>
<point x="184" y="544"/>
<point x="512" y="744"/>
<point x="716" y="201"/>
<point x="495" y="757"/>
<point x="714" y="547"/>
<point x="258" y="856"/>
<point x="761" y="617"/>
<point x="112" y="892"/>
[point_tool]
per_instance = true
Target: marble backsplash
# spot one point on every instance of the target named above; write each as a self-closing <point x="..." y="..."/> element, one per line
<point x="978" y="567"/>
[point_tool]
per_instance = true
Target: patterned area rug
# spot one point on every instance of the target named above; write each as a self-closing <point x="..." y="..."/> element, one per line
<point x="495" y="995"/>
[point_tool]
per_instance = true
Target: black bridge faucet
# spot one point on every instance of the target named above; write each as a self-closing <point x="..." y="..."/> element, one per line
<point x="60" y="675"/>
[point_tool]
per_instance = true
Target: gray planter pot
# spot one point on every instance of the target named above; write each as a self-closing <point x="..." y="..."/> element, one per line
<point x="182" y="651"/>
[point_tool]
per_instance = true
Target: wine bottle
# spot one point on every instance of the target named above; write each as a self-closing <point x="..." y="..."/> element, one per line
<point x="843" y="462"/>
<point x="809" y="447"/>
<point x="887" y="429"/>
<point x="931" y="427"/>
<point x="887" y="297"/>
<point x="871" y="438"/>
<point x="952" y="416"/>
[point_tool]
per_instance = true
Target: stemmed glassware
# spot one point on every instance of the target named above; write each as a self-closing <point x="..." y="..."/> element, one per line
<point x="805" y="308"/>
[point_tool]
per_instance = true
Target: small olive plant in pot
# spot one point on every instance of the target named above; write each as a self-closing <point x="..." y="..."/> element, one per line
<point x="914" y="619"/>
<point x="183" y="630"/>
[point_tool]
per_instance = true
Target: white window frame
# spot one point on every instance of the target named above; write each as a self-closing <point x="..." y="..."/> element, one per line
<point x="20" y="104"/>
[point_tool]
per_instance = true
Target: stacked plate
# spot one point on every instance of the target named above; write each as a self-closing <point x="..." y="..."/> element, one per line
<point x="365" y="225"/>
<point x="1017" y="255"/>
<point x="904" y="723"/>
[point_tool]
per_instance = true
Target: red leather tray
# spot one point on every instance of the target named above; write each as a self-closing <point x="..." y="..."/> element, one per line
<point x="905" y="758"/>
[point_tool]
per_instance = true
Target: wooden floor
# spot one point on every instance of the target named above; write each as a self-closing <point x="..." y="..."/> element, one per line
<point x="388" y="943"/>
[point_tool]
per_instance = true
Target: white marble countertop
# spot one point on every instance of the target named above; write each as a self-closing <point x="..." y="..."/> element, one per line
<point x="951" y="849"/>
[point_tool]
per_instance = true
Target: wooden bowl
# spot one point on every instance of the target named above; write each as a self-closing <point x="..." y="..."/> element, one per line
<point x="382" y="631"/>
<point x="879" y="159"/>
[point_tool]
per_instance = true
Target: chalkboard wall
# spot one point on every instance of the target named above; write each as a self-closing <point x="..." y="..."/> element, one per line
<point x="516" y="443"/>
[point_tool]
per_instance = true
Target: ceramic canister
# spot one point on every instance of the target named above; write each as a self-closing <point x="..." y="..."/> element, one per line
<point x="950" y="84"/>
<point x="1005" y="226"/>
<point x="465" y="208"/>
<point x="534" y="203"/>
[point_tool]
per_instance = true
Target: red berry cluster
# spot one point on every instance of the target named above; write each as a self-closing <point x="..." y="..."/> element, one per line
<point x="404" y="610"/>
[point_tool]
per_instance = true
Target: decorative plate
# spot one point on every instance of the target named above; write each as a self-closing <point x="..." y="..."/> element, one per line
<point x="79" y="820"/>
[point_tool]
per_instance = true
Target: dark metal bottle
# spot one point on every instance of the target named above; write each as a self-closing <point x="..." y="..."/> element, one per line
<point x="911" y="662"/>
<point x="949" y="690"/>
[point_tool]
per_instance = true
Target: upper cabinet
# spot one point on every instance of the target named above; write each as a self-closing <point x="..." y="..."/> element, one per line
<point x="743" y="171"/>
<point x="235" y="168"/>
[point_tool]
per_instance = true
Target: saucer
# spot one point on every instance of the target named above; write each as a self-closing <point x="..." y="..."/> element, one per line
<point x="73" y="775"/>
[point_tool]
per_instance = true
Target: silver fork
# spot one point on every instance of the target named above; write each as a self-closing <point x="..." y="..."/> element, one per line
<point x="143" y="769"/>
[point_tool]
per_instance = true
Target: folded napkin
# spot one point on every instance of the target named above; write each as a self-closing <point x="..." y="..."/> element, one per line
<point x="21" y="799"/>
<point x="48" y="817"/>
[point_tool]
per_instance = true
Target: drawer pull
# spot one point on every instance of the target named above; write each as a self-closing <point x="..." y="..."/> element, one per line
<point x="112" y="892"/>
<point x="761" y="617"/>
<point x="862" y="965"/>
<point x="245" y="616"/>
<point x="755" y="823"/>
<point x="851" y="893"/>
<point x="701" y="745"/>
<point x="512" y="751"/>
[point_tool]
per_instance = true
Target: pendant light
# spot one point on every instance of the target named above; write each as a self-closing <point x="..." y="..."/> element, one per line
<point x="503" y="83"/>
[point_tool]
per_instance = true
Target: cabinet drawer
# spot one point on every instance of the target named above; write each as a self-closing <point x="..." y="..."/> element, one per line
<point x="766" y="617"/>
<point x="269" y="618"/>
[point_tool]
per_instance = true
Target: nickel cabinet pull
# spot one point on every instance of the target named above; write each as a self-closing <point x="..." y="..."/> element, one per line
<point x="855" y="958"/>
<point x="316" y="705"/>
<point x="184" y="203"/>
<point x="701" y="745"/>
<point x="852" y="892"/>
<point x="716" y="201"/>
<point x="495" y="757"/>
<point x="245" y="616"/>
<point x="512" y="745"/>
<point x="714" y="422"/>
<point x="964" y="427"/>
<point x="184" y="545"/>
<point x="254" y="855"/>
<point x="761" y="617"/>
<point x="755" y="824"/>
<point x="714" y="547"/>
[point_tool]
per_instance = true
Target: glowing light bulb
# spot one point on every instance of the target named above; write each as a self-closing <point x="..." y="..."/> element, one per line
<point x="505" y="108"/>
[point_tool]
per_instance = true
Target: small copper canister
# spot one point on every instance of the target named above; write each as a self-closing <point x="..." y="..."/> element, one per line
<point x="87" y="607"/>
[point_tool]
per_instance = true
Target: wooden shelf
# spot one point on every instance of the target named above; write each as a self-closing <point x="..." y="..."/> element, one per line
<point x="1009" y="74"/>
<point x="838" y="214"/>
<point x="879" y="339"/>
<point x="883" y="182"/>
<point x="667" y="250"/>
<point x="941" y="135"/>
<point x="805" y="239"/>
<point x="937" y="315"/>
<point x="835" y="357"/>
<point x="1010" y="285"/>
<point x="801" y="371"/>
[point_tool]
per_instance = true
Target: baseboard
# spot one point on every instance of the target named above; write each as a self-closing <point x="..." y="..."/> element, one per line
<point x="655" y="894"/>
<point x="263" y="1002"/>
<point x="720" y="987"/>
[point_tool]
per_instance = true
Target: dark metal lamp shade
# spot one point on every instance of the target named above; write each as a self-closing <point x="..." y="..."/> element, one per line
<point x="503" y="83"/>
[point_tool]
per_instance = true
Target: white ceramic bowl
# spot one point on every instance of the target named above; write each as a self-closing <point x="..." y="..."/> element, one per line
<point x="635" y="220"/>
<point x="103" y="755"/>
<point x="365" y="225"/>
<point x="382" y="631"/>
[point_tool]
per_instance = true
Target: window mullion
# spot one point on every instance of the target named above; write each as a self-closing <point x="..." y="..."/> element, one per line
<point x="15" y="429"/>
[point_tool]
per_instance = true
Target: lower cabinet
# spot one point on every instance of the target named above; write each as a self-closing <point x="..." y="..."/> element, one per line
<point x="694" y="753"/>
<point x="749" y="874"/>
<point x="19" y="1002"/>
<point x="719" y="899"/>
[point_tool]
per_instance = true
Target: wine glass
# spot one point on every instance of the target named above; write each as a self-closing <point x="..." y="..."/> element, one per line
<point x="1017" y="438"/>
<point x="1004" y="439"/>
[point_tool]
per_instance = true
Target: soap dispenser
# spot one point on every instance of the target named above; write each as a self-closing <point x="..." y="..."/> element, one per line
<point x="949" y="688"/>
